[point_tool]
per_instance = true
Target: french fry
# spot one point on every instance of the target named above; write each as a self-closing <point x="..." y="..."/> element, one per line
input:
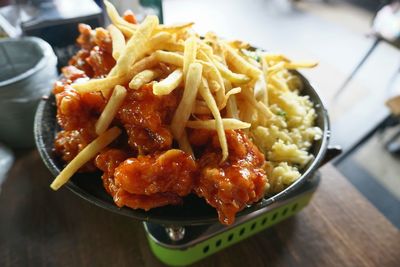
<point x="212" y="74"/>
<point x="175" y="27"/>
<point x="232" y="108"/>
<point x="189" y="55"/>
<point x="169" y="46"/>
<point x="159" y="38"/>
<point x="300" y="65"/>
<point x="169" y="58"/>
<point x="231" y="104"/>
<point x="228" y="124"/>
<point x="265" y="69"/>
<point x="144" y="64"/>
<point x="278" y="83"/>
<point x="136" y="47"/>
<point x="212" y="105"/>
<point x="247" y="111"/>
<point x="129" y="29"/>
<point x="240" y="64"/>
<point x="111" y="108"/>
<point x="116" y="18"/>
<point x="118" y="41"/>
<point x="89" y="152"/>
<point x="260" y="107"/>
<point x="225" y="99"/>
<point x="276" y="68"/>
<point x="142" y="78"/>
<point x="126" y="30"/>
<point x="260" y="89"/>
<point x="123" y="70"/>
<point x="209" y="70"/>
<point x="275" y="57"/>
<point x="184" y="144"/>
<point x="235" y="78"/>
<point x="206" y="49"/>
<point x="169" y="84"/>
<point x="105" y="85"/>
<point x="184" y="108"/>
<point x="172" y="29"/>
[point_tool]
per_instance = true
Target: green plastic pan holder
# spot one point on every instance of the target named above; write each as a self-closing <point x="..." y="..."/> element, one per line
<point x="178" y="246"/>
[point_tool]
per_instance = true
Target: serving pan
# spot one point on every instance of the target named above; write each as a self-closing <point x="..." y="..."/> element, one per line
<point x="194" y="210"/>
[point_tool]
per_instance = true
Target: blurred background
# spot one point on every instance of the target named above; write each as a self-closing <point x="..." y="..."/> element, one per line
<point x="356" y="43"/>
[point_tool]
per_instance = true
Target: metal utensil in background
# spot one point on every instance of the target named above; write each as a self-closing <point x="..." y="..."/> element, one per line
<point x="6" y="161"/>
<point x="28" y="71"/>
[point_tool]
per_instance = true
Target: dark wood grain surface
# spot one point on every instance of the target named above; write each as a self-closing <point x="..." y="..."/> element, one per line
<point x="39" y="227"/>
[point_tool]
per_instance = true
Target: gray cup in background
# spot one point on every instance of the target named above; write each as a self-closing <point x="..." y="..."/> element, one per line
<point x="27" y="72"/>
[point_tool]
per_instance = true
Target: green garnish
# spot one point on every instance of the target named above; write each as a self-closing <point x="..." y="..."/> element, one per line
<point x="281" y="113"/>
<point x="252" y="54"/>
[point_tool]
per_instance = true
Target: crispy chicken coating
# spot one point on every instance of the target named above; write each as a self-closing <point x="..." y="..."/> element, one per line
<point x="95" y="56"/>
<point x="172" y="171"/>
<point x="147" y="181"/>
<point x="145" y="116"/>
<point x="235" y="183"/>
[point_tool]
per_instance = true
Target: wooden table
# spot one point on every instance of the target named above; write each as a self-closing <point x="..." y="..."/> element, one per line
<point x="39" y="227"/>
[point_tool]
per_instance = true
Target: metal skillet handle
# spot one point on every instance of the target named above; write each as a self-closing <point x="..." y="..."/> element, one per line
<point x="331" y="153"/>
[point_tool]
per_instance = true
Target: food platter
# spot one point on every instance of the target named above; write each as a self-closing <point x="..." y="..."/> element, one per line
<point x="194" y="211"/>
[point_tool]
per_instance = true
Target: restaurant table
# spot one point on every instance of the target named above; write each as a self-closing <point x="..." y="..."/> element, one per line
<point x="40" y="227"/>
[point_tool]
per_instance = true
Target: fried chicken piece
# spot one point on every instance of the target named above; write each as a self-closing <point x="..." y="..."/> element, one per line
<point x="68" y="144"/>
<point x="145" y="116"/>
<point x="146" y="182"/>
<point x="100" y="61"/>
<point x="95" y="56"/>
<point x="235" y="183"/>
<point x="76" y="111"/>
<point x="107" y="161"/>
<point x="72" y="73"/>
<point x="200" y="137"/>
<point x="77" y="115"/>
<point x="130" y="17"/>
<point x="172" y="171"/>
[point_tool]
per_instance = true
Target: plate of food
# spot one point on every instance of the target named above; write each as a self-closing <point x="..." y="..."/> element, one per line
<point x="161" y="124"/>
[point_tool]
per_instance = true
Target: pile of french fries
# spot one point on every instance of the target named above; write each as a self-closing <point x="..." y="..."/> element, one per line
<point x="221" y="79"/>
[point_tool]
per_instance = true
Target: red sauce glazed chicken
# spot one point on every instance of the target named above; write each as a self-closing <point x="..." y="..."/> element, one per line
<point x="144" y="168"/>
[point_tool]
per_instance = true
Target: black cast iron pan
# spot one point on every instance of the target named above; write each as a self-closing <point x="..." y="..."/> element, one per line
<point x="194" y="211"/>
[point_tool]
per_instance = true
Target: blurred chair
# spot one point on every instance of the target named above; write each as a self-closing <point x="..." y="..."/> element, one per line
<point x="385" y="27"/>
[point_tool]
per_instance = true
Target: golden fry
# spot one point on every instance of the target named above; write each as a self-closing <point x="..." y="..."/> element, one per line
<point x="110" y="110"/>
<point x="89" y="152"/>
<point x="169" y="57"/>
<point x="231" y="76"/>
<point x="136" y="47"/>
<point x="142" y="78"/>
<point x="118" y="41"/>
<point x="300" y="64"/>
<point x="189" y="55"/>
<point x="240" y="64"/>
<point x="184" y="108"/>
<point x="169" y="84"/>
<point x="212" y="105"/>
<point x="228" y="124"/>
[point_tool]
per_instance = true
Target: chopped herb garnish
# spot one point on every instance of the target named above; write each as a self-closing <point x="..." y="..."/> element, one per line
<point x="281" y="113"/>
<point x="252" y="54"/>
